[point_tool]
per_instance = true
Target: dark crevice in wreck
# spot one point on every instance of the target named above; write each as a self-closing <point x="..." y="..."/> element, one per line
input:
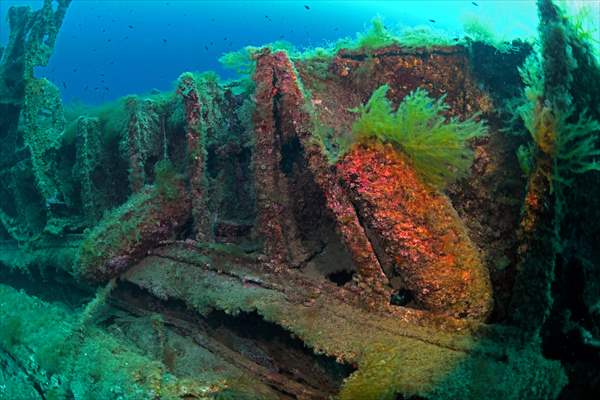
<point x="567" y="333"/>
<point x="323" y="252"/>
<point x="50" y="285"/>
<point x="340" y="278"/>
<point x="497" y="71"/>
<point x="401" y="297"/>
<point x="246" y="339"/>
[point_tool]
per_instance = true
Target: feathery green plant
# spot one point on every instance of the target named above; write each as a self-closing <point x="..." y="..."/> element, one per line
<point x="576" y="149"/>
<point x="437" y="147"/>
<point x="584" y="21"/>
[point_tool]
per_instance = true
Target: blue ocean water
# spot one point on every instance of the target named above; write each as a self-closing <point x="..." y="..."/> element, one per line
<point x="107" y="49"/>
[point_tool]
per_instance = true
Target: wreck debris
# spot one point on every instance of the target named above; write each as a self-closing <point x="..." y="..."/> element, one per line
<point x="406" y="352"/>
<point x="292" y="121"/>
<point x="37" y="102"/>
<point x="433" y="255"/>
<point x="196" y="155"/>
<point x="275" y="219"/>
<point x="565" y="146"/>
<point x="87" y="162"/>
<point x="124" y="236"/>
<point x="410" y="316"/>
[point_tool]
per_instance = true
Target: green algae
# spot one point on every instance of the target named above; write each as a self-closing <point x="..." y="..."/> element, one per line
<point x="65" y="355"/>
<point x="393" y="356"/>
<point x="437" y="147"/>
<point x="123" y="234"/>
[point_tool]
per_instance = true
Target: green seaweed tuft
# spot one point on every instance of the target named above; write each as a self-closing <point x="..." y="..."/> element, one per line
<point x="576" y="147"/>
<point x="376" y="36"/>
<point x="437" y="147"/>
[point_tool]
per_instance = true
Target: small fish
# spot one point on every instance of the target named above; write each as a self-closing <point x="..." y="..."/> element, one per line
<point x="111" y="63"/>
<point x="164" y="40"/>
<point x="74" y="69"/>
<point x="64" y="84"/>
<point x="307" y="7"/>
<point x="455" y="39"/>
<point x="432" y="20"/>
<point x="101" y="74"/>
<point x="86" y="88"/>
<point x="475" y="4"/>
<point x="267" y="17"/>
<point x="126" y="37"/>
<point x="130" y="26"/>
<point x="206" y="48"/>
<point x="109" y="40"/>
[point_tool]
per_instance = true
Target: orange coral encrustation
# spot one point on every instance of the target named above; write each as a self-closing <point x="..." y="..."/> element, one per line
<point x="420" y="230"/>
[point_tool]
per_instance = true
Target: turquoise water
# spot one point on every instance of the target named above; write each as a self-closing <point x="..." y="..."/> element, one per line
<point x="107" y="49"/>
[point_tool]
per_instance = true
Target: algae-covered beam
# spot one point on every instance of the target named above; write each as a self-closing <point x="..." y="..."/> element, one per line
<point x="532" y="294"/>
<point x="275" y="218"/>
<point x="87" y="161"/>
<point x="295" y="121"/>
<point x="43" y="32"/>
<point x="205" y="336"/>
<point x="34" y="103"/>
<point x="565" y="145"/>
<point x="126" y="234"/>
<point x="30" y="44"/>
<point x="137" y="176"/>
<point x="406" y="352"/>
<point x="64" y="356"/>
<point x="196" y="154"/>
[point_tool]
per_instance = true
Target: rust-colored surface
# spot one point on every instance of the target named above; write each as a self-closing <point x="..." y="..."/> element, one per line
<point x="294" y="122"/>
<point x="433" y="255"/>
<point x="275" y="219"/>
<point x="196" y="154"/>
<point x="446" y="288"/>
<point x="352" y="77"/>
<point x="127" y="234"/>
